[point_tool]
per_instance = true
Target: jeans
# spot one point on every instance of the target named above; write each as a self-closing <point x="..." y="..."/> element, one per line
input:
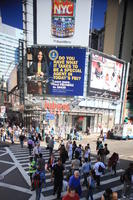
<point x="89" y="194"/>
<point x="126" y="189"/>
<point x="85" y="179"/>
<point x="98" y="180"/>
<point x="38" y="192"/>
<point x="58" y="187"/>
<point x="21" y="142"/>
<point x="50" y="150"/>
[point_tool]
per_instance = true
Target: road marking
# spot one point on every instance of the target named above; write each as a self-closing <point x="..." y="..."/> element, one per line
<point x="33" y="197"/>
<point x="14" y="187"/>
<point x="7" y="162"/>
<point x="99" y="194"/>
<point x="8" y="171"/>
<point x="20" y="168"/>
<point x="3" y="154"/>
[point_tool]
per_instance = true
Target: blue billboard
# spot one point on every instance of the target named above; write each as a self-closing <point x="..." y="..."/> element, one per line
<point x="57" y="71"/>
<point x="67" y="69"/>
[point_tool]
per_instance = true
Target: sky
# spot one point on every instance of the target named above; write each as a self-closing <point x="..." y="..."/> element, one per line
<point x="10" y="15"/>
<point x="100" y="7"/>
<point x="13" y="17"/>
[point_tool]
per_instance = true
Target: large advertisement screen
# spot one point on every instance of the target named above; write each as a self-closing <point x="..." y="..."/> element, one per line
<point x="105" y="76"/>
<point x="56" y="71"/>
<point x="63" y="22"/>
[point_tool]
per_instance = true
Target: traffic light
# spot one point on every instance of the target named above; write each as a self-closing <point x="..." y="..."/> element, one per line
<point x="126" y="120"/>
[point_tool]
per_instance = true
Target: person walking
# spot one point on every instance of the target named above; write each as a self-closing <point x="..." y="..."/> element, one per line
<point x="101" y="152"/>
<point x="74" y="146"/>
<point x="41" y="163"/>
<point x="112" y="162"/>
<point x="36" y="151"/>
<point x="74" y="182"/>
<point x="51" y="162"/>
<point x="75" y="164"/>
<point x="32" y="169"/>
<point x="30" y="145"/>
<point x="51" y="145"/>
<point x="58" y="173"/>
<point x="106" y="152"/>
<point x="90" y="186"/>
<point x="71" y="195"/>
<point x="78" y="153"/>
<point x="128" y="181"/>
<point x="22" y="138"/>
<point x="38" y="181"/>
<point x="63" y="154"/>
<point x="86" y="167"/>
<point x="70" y="150"/>
<point x="99" y="168"/>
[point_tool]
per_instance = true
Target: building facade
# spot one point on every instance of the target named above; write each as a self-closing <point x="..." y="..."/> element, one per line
<point x="118" y="39"/>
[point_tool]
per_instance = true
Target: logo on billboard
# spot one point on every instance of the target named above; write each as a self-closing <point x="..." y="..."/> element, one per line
<point x="63" y="18"/>
<point x="53" y="55"/>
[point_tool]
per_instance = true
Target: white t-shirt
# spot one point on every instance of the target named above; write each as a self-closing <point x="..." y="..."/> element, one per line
<point x="96" y="167"/>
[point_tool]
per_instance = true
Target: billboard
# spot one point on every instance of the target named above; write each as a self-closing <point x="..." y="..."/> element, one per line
<point x="105" y="76"/>
<point x="56" y="71"/>
<point x="63" y="22"/>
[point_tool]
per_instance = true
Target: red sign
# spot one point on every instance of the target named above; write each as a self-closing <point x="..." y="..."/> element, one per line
<point x="56" y="106"/>
<point x="63" y="8"/>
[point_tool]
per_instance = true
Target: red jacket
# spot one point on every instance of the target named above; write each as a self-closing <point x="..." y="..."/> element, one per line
<point x="67" y="197"/>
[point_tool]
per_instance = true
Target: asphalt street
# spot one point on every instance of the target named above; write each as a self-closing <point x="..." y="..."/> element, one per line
<point x="14" y="163"/>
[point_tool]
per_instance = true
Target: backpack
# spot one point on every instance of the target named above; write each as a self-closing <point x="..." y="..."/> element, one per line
<point x="100" y="169"/>
<point x="36" y="183"/>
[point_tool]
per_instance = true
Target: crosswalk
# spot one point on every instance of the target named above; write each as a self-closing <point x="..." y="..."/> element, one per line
<point x="22" y="159"/>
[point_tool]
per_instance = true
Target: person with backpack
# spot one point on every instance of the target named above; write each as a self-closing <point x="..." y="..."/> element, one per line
<point x="38" y="180"/>
<point x="99" y="168"/>
<point x="90" y="186"/>
<point x="128" y="181"/>
<point x="32" y="169"/>
<point x="58" y="174"/>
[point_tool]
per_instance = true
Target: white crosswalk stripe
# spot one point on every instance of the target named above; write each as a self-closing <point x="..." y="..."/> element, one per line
<point x="107" y="180"/>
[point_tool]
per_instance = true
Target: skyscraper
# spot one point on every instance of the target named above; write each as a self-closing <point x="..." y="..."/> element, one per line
<point x="118" y="39"/>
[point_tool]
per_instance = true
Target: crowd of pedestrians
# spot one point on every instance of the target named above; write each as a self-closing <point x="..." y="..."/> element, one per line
<point x="81" y="165"/>
<point x="80" y="158"/>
